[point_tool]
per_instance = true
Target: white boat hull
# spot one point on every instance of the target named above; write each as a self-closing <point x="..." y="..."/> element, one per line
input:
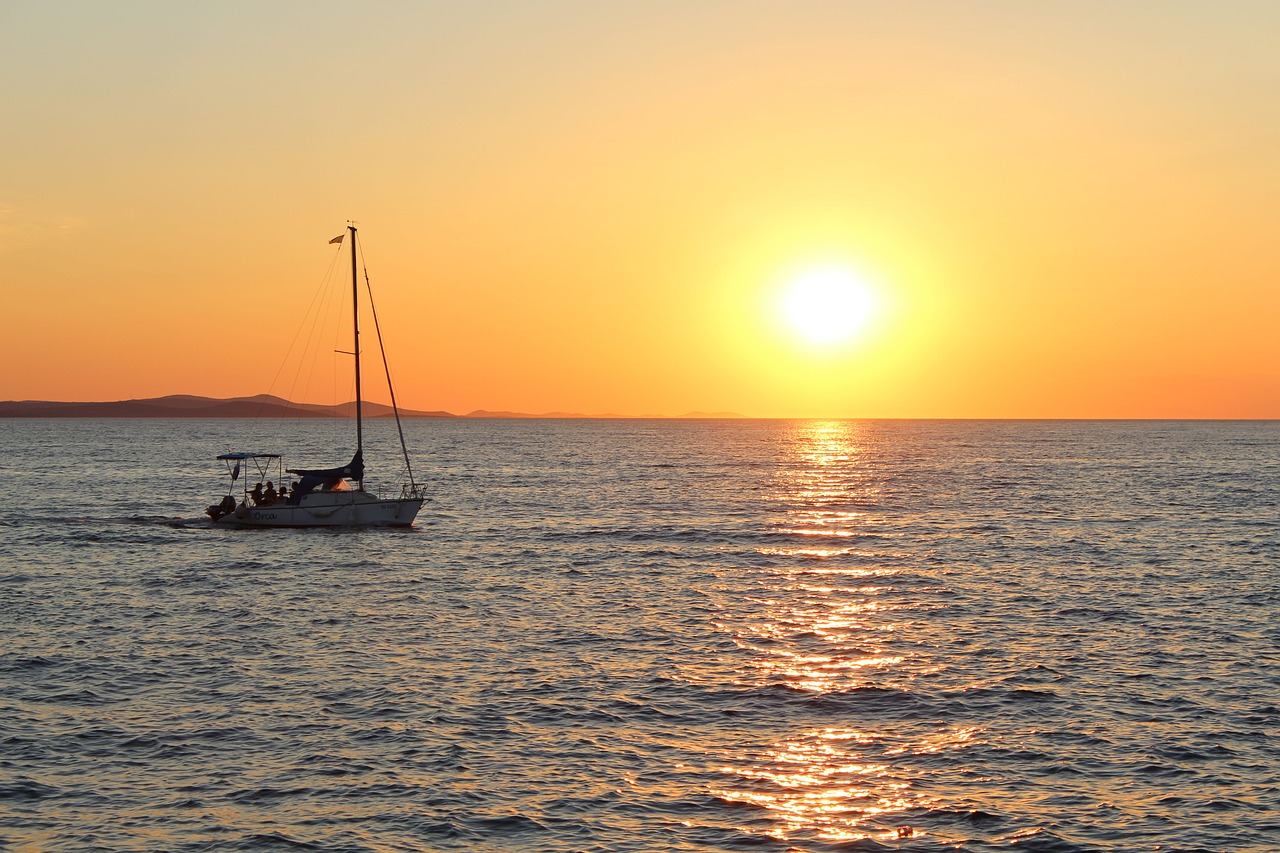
<point x="328" y="509"/>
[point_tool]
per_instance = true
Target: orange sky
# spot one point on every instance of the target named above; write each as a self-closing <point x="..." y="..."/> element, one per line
<point x="1067" y="209"/>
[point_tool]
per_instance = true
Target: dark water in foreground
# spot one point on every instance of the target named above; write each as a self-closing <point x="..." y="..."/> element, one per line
<point x="651" y="636"/>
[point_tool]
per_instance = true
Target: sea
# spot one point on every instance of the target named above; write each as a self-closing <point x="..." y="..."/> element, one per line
<point x="648" y="635"/>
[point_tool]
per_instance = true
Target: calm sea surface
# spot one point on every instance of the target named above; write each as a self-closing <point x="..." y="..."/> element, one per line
<point x="649" y="636"/>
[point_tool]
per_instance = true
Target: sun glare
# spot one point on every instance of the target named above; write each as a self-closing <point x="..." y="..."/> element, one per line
<point x="827" y="306"/>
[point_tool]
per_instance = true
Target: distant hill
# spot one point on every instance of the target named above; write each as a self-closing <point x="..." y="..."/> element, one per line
<point x="259" y="406"/>
<point x="185" y="406"/>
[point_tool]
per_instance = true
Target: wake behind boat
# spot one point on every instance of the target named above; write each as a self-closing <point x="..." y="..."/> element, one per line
<point x="320" y="497"/>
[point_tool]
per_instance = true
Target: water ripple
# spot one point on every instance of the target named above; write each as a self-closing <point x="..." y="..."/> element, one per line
<point x="636" y="636"/>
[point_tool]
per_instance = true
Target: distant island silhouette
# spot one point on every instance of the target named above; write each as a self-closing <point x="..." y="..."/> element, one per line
<point x="261" y="406"/>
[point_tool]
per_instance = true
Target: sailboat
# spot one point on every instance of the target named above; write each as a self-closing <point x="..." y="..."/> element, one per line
<point x="321" y="497"/>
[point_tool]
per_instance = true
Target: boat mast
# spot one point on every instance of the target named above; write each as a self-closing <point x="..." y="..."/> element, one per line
<point x="355" y="325"/>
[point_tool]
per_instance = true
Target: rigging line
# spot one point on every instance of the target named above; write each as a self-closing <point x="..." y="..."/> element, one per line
<point x="334" y="309"/>
<point x="386" y="366"/>
<point x="324" y="317"/>
<point x="328" y="318"/>
<point x="310" y="362"/>
<point x="307" y="318"/>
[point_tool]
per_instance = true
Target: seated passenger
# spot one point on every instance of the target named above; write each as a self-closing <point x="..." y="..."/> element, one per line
<point x="256" y="494"/>
<point x="227" y="506"/>
<point x="269" y="496"/>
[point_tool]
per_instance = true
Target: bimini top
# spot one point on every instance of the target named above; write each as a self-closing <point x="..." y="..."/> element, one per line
<point x="238" y="456"/>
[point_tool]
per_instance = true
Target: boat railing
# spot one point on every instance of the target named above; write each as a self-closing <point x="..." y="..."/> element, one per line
<point x="412" y="491"/>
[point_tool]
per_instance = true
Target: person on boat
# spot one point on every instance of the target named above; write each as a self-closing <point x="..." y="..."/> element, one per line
<point x="269" y="496"/>
<point x="295" y="496"/>
<point x="283" y="495"/>
<point x="227" y="506"/>
<point x="256" y="494"/>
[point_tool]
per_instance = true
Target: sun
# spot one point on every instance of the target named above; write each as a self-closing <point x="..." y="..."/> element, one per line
<point x="827" y="306"/>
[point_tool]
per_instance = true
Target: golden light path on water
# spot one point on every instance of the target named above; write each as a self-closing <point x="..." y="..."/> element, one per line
<point x="827" y="624"/>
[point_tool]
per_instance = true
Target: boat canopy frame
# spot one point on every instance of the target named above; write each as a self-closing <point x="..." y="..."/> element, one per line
<point x="263" y="463"/>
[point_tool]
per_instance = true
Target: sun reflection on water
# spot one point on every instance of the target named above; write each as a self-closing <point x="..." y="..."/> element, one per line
<point x="838" y="784"/>
<point x="821" y="622"/>
<point x="828" y="619"/>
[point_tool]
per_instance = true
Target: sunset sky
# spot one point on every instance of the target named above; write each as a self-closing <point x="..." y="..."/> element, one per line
<point x="1053" y="209"/>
